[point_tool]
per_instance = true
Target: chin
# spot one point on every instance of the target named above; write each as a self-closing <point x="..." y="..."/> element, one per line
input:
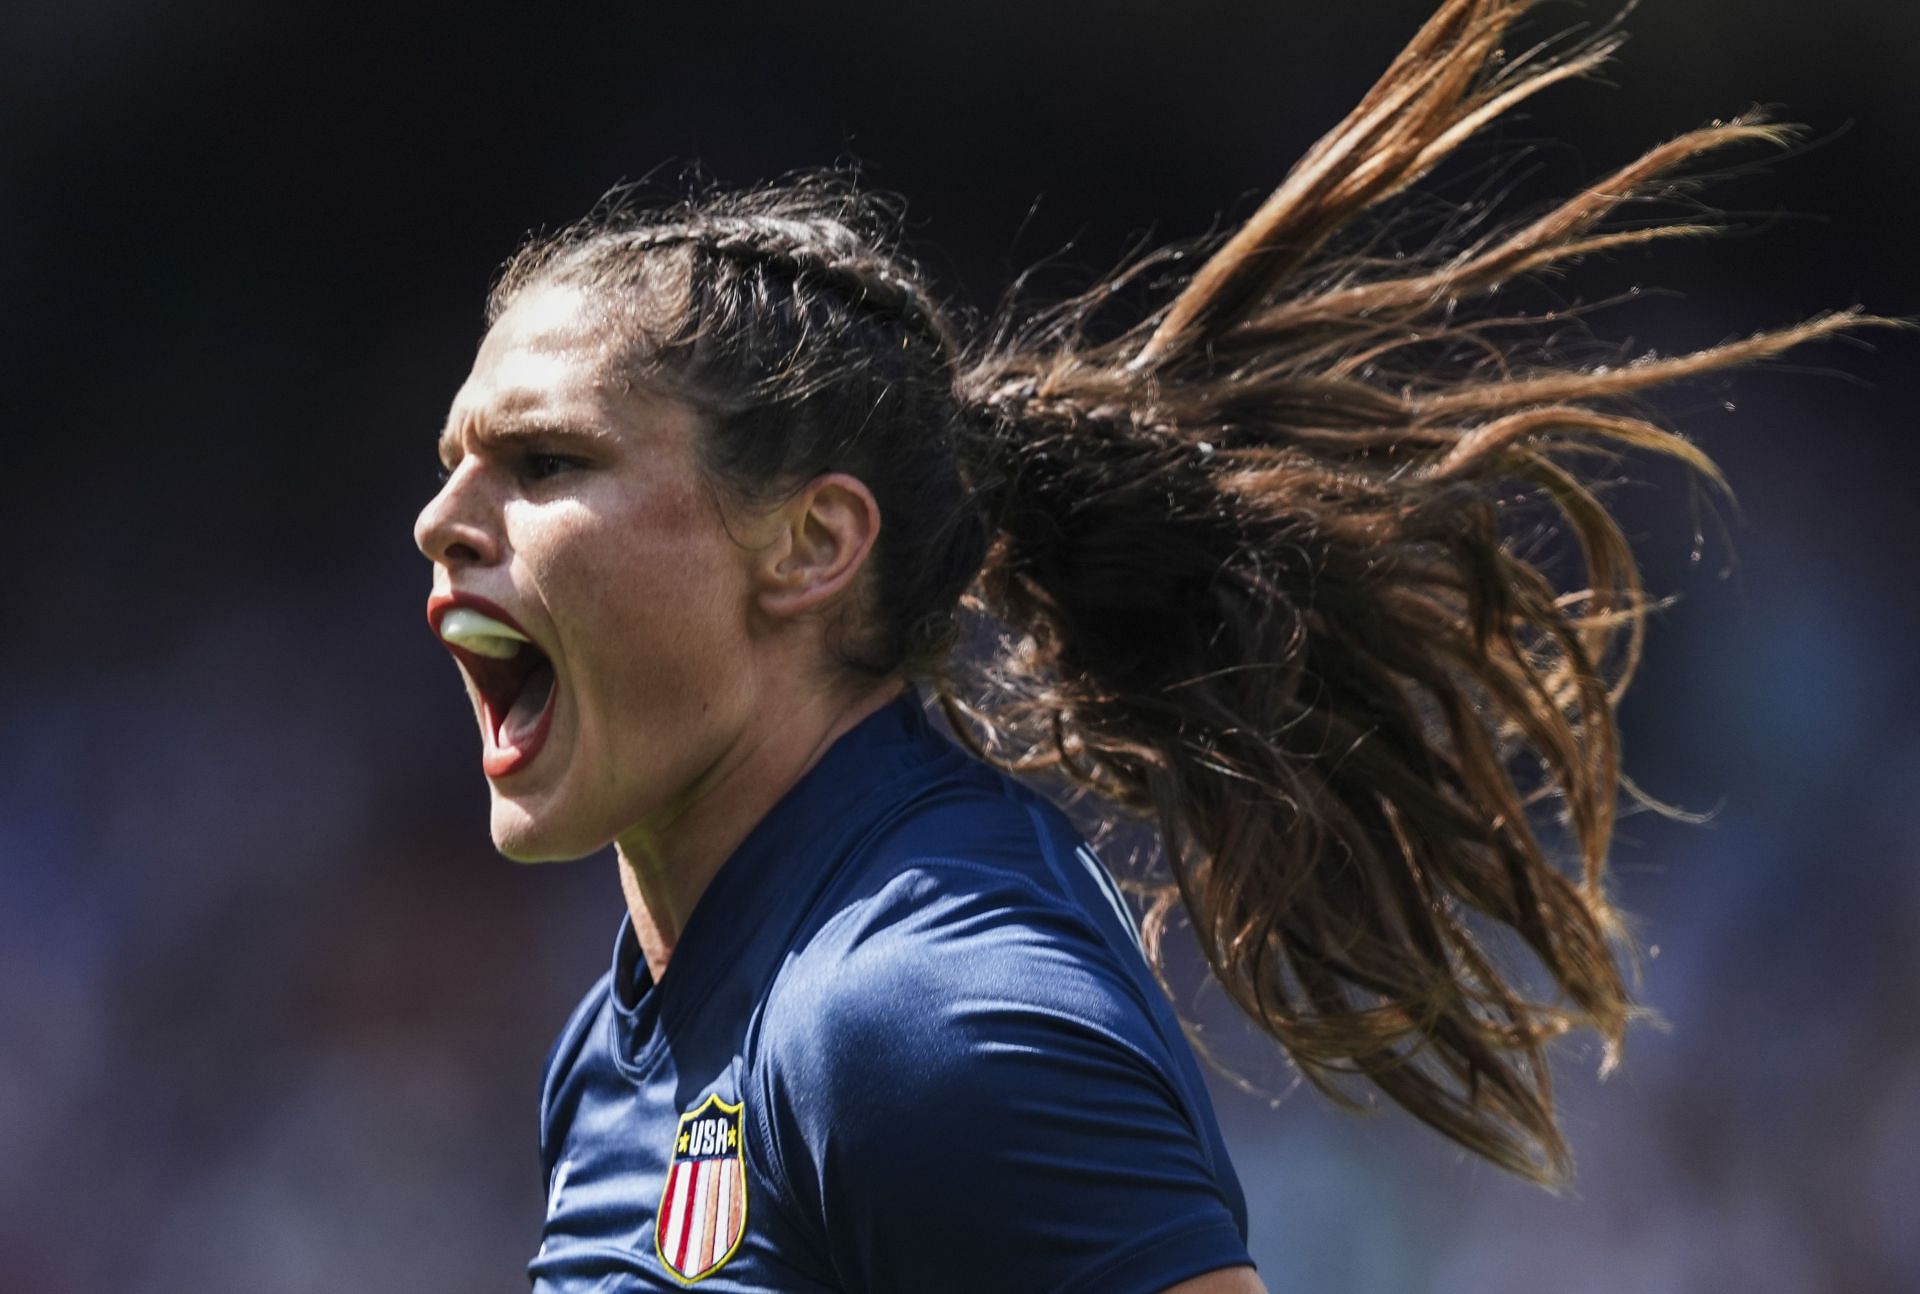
<point x="523" y="838"/>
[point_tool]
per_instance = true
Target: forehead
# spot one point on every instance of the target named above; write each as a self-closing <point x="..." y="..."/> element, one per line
<point x="547" y="355"/>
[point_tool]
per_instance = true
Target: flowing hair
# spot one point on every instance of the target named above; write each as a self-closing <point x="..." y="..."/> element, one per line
<point x="1253" y="560"/>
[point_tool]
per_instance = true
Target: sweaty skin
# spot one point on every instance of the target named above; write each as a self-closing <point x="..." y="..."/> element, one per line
<point x="691" y="689"/>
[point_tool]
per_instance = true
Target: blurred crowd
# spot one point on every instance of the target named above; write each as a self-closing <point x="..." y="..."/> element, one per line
<point x="272" y="1012"/>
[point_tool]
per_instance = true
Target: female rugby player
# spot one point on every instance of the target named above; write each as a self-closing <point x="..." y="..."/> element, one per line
<point x="723" y="489"/>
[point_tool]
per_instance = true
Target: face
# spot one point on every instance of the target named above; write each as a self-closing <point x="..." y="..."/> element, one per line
<point x="574" y="516"/>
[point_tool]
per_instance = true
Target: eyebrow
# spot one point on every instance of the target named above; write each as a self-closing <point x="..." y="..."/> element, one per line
<point x="513" y="428"/>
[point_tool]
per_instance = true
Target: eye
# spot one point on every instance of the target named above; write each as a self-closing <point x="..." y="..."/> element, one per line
<point x="536" y="466"/>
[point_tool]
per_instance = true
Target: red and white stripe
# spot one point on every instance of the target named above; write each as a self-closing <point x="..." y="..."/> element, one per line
<point x="700" y="1214"/>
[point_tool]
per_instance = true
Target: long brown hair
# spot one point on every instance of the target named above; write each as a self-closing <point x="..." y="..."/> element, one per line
<point x="1253" y="557"/>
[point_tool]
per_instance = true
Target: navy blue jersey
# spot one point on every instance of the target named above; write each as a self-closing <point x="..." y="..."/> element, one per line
<point x="907" y="1042"/>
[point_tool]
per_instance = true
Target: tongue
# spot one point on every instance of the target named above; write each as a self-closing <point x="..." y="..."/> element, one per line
<point x="525" y="714"/>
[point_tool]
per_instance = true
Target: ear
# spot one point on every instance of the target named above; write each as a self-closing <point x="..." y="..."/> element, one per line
<point x="822" y="538"/>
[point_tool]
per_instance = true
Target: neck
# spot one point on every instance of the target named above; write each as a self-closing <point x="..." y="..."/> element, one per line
<point x="666" y="866"/>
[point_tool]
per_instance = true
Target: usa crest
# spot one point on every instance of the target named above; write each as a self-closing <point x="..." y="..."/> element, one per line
<point x="703" y="1209"/>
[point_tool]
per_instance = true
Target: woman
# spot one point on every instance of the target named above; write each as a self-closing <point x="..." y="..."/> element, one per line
<point x="720" y="487"/>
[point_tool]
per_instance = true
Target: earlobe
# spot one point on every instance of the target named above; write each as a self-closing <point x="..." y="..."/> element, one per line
<point x="826" y="532"/>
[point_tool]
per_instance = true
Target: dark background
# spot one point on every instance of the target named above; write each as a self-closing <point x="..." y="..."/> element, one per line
<point x="272" y="1011"/>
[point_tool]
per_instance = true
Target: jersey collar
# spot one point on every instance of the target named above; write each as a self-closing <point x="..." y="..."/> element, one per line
<point x="767" y="883"/>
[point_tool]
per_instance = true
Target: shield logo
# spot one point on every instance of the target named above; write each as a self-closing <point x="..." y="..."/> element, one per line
<point x="703" y="1209"/>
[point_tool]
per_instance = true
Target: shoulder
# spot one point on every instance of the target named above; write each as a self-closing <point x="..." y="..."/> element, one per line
<point x="970" y="920"/>
<point x="962" y="1056"/>
<point x="946" y="955"/>
<point x="960" y="997"/>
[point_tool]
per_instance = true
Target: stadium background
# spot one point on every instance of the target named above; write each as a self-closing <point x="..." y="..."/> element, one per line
<point x="271" y="1010"/>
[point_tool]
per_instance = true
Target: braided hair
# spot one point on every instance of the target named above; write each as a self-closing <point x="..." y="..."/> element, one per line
<point x="1248" y="568"/>
<point x="812" y="345"/>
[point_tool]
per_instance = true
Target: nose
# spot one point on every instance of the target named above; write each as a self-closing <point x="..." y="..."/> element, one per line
<point x="456" y="527"/>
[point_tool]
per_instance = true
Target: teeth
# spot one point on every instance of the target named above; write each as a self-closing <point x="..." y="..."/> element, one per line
<point x="481" y="635"/>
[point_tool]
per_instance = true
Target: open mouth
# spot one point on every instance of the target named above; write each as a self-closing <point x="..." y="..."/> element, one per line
<point x="514" y="679"/>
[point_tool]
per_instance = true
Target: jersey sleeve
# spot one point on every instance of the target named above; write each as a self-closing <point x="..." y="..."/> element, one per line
<point x="968" y="1094"/>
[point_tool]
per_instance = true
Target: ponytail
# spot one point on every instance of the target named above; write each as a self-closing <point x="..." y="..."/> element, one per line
<point x="1257" y="558"/>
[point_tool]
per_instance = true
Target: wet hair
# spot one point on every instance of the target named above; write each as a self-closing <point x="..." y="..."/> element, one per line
<point x="1255" y="562"/>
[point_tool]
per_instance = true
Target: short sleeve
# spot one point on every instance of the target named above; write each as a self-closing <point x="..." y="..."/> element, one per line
<point x="966" y="1091"/>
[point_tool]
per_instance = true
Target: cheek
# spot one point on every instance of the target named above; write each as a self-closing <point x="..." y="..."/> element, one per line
<point x="656" y="605"/>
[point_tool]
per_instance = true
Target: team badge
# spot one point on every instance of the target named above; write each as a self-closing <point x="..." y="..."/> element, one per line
<point x="703" y="1210"/>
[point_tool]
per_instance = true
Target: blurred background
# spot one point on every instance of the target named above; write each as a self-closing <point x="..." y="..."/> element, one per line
<point x="272" y="1011"/>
